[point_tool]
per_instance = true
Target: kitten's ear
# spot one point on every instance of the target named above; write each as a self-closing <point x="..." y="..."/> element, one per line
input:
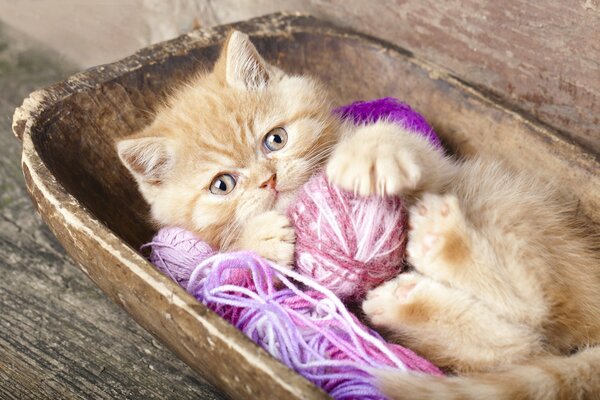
<point x="240" y="65"/>
<point x="148" y="158"/>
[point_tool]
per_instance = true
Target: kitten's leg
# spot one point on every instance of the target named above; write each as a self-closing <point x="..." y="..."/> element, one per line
<point x="384" y="158"/>
<point x="446" y="325"/>
<point x="444" y="245"/>
<point x="441" y="243"/>
<point x="270" y="235"/>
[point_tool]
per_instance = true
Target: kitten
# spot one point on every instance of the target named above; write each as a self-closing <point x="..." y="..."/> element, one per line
<point x="504" y="273"/>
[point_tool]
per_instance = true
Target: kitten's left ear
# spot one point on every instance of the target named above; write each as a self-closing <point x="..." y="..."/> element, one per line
<point x="240" y="65"/>
<point x="149" y="159"/>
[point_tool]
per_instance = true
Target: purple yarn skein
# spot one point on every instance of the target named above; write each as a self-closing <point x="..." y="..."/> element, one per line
<point x="365" y="112"/>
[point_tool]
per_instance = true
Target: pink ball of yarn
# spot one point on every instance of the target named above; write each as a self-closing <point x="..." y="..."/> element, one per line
<point x="347" y="243"/>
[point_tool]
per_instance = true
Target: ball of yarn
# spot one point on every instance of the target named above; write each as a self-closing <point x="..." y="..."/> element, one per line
<point x="347" y="243"/>
<point x="309" y="330"/>
<point x="175" y="251"/>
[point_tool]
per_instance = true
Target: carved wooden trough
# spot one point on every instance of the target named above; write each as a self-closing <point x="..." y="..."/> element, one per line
<point x="92" y="205"/>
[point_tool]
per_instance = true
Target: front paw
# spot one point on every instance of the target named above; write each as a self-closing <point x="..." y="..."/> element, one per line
<point x="371" y="162"/>
<point x="270" y="235"/>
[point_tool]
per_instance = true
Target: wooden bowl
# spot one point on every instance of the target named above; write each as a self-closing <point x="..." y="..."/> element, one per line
<point x="91" y="203"/>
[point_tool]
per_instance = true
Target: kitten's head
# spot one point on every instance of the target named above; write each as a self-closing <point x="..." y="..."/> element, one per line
<point x="232" y="144"/>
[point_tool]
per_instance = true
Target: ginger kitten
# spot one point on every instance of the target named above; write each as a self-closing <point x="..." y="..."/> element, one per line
<point x="506" y="281"/>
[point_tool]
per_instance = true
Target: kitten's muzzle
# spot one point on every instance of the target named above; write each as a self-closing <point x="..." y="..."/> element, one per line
<point x="270" y="183"/>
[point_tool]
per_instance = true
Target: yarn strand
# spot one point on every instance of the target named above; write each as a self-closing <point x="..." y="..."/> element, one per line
<point x="298" y="321"/>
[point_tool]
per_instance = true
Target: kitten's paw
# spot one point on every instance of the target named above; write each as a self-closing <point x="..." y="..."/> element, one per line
<point x="372" y="164"/>
<point x="438" y="233"/>
<point x="272" y="236"/>
<point x="384" y="304"/>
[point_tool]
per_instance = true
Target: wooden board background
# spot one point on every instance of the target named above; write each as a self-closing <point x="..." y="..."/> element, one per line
<point x="60" y="336"/>
<point x="542" y="57"/>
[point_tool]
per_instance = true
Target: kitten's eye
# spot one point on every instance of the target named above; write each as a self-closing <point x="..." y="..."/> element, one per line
<point x="222" y="184"/>
<point x="275" y="139"/>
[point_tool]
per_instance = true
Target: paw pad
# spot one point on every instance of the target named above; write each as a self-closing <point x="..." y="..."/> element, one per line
<point x="403" y="290"/>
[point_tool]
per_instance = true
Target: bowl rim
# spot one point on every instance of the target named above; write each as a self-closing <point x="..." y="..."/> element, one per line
<point x="57" y="205"/>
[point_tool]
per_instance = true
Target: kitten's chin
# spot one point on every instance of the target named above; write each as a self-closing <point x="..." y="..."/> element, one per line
<point x="284" y="200"/>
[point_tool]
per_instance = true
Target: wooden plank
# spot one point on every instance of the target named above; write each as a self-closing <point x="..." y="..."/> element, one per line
<point x="540" y="57"/>
<point x="60" y="337"/>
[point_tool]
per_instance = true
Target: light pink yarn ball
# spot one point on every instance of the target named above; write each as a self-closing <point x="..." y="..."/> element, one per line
<point x="176" y="252"/>
<point x="349" y="244"/>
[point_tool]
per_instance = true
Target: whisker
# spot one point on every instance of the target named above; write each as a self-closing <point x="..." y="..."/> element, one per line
<point x="231" y="233"/>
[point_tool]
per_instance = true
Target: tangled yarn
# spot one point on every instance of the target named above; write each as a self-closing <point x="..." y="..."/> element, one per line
<point x="308" y="329"/>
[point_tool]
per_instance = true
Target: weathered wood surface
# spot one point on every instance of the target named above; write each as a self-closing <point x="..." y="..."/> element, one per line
<point x="542" y="57"/>
<point x="60" y="337"/>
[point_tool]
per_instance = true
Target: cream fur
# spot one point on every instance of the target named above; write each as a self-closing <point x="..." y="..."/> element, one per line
<point x="216" y="124"/>
<point x="505" y="273"/>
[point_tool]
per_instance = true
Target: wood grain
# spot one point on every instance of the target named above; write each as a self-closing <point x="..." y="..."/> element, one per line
<point x="60" y="337"/>
<point x="540" y="57"/>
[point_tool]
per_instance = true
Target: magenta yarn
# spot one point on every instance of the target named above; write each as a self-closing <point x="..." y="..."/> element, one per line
<point x="347" y="243"/>
<point x="391" y="109"/>
<point x="309" y="330"/>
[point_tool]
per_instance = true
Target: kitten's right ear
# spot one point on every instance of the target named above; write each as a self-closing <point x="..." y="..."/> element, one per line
<point x="240" y="65"/>
<point x="149" y="159"/>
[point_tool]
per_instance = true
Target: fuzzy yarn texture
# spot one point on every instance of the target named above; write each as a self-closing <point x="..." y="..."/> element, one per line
<point x="302" y="324"/>
<point x="347" y="243"/>
<point x="175" y="251"/>
<point x="390" y="109"/>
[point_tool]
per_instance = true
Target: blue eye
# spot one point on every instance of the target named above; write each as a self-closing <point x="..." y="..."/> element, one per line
<point x="275" y="139"/>
<point x="222" y="184"/>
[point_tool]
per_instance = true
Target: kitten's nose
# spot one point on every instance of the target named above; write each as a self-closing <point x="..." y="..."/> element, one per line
<point x="270" y="183"/>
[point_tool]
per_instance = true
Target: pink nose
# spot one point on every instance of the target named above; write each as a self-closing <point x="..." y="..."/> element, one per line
<point x="270" y="183"/>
